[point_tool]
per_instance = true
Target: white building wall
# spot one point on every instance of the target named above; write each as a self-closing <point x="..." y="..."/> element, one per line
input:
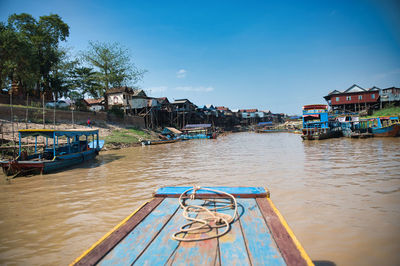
<point x="115" y="99"/>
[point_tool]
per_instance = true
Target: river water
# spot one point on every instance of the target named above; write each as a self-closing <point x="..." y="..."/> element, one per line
<point x="341" y="197"/>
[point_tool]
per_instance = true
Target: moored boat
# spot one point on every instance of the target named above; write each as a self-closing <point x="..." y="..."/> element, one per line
<point x="168" y="135"/>
<point x="157" y="142"/>
<point x="55" y="156"/>
<point x="317" y="125"/>
<point x="386" y="127"/>
<point x="382" y="126"/>
<point x="201" y="225"/>
<point x="198" y="131"/>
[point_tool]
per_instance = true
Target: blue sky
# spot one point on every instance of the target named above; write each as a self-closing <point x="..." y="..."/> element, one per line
<point x="268" y="55"/>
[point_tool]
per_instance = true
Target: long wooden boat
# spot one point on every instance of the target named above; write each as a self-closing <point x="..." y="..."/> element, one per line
<point x="257" y="235"/>
<point x="269" y="127"/>
<point x="157" y="142"/>
<point x="198" y="131"/>
<point x="54" y="156"/>
<point x="388" y="131"/>
<point x="382" y="126"/>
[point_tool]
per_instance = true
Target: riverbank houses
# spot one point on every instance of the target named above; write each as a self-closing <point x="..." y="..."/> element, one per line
<point x="356" y="98"/>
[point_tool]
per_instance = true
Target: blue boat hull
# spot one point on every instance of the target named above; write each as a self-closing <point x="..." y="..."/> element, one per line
<point x="389" y="131"/>
<point x="47" y="166"/>
<point x="68" y="160"/>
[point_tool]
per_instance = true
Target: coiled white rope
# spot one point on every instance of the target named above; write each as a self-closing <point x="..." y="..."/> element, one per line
<point x="209" y="219"/>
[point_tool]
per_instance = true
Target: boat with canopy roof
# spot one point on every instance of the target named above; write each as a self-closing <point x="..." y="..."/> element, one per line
<point x="54" y="155"/>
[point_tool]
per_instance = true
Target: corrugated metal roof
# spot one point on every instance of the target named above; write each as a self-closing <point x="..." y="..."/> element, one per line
<point x="139" y="93"/>
<point x="222" y="108"/>
<point x="174" y="130"/>
<point x="197" y="126"/>
<point x="94" y="101"/>
<point x="315" y="106"/>
<point x="248" y="110"/>
<point x="354" y="88"/>
<point x="181" y="101"/>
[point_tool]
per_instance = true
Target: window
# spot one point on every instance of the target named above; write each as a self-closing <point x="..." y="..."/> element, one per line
<point x="124" y="96"/>
<point x="337" y="99"/>
<point x="348" y="98"/>
<point x="372" y="96"/>
<point x="360" y="97"/>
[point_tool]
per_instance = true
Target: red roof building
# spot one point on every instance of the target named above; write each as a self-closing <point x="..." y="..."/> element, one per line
<point x="248" y="110"/>
<point x="95" y="104"/>
<point x="354" y="99"/>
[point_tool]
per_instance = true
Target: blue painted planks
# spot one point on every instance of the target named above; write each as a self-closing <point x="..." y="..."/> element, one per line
<point x="231" y="190"/>
<point x="232" y="246"/>
<point x="136" y="241"/>
<point x="203" y="252"/>
<point x="161" y="249"/>
<point x="261" y="246"/>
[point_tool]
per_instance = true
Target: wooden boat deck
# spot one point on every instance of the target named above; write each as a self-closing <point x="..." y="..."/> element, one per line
<point x="260" y="235"/>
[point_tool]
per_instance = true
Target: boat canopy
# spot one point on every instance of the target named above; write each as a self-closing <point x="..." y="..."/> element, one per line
<point x="315" y="106"/>
<point x="190" y="126"/>
<point x="50" y="133"/>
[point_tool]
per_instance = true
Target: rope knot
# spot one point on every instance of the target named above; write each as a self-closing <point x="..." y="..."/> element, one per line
<point x="205" y="216"/>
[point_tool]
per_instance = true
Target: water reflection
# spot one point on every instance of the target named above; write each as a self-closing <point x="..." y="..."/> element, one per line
<point x="334" y="194"/>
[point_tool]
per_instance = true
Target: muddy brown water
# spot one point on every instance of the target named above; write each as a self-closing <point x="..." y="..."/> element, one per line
<point x="341" y="197"/>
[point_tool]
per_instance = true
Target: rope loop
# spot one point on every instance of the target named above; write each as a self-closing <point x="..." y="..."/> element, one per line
<point x="208" y="218"/>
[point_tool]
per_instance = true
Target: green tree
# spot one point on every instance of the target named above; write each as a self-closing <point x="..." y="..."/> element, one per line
<point x="113" y="65"/>
<point x="29" y="49"/>
<point x="60" y="79"/>
<point x="18" y="61"/>
<point x="84" y="80"/>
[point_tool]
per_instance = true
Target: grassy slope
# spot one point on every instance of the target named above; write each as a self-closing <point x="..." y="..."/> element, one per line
<point x="128" y="135"/>
<point x="390" y="111"/>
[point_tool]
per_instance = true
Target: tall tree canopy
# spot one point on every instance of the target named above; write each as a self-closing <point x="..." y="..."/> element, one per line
<point x="29" y="50"/>
<point x="84" y="81"/>
<point x="113" y="65"/>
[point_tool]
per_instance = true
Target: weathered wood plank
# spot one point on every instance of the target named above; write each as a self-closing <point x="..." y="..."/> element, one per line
<point x="284" y="241"/>
<point x="100" y="249"/>
<point x="136" y="241"/>
<point x="261" y="246"/>
<point x="232" y="247"/>
<point x="239" y="192"/>
<point x="197" y="252"/>
<point x="161" y="249"/>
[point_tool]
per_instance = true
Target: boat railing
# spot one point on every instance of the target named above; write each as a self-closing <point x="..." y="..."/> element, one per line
<point x="314" y="130"/>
